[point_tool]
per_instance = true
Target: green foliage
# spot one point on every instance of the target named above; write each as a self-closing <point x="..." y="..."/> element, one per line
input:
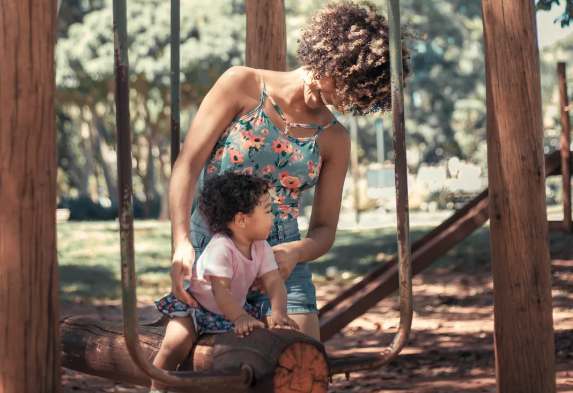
<point x="566" y="17"/>
<point x="445" y="95"/>
<point x="85" y="57"/>
<point x="447" y="90"/>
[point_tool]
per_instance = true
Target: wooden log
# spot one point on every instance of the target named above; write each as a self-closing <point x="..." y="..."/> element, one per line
<point x="266" y="35"/>
<point x="523" y="322"/>
<point x="29" y="298"/>
<point x="283" y="361"/>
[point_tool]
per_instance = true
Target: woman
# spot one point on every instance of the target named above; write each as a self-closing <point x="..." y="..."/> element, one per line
<point x="277" y="125"/>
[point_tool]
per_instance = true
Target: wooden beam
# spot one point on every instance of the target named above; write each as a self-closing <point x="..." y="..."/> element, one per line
<point x="266" y="35"/>
<point x="29" y="291"/>
<point x="565" y="148"/>
<point x="423" y="254"/>
<point x="283" y="361"/>
<point x="523" y="321"/>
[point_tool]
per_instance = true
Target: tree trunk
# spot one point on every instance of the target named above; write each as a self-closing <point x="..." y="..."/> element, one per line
<point x="523" y="323"/>
<point x="164" y="159"/>
<point x="150" y="190"/>
<point x="86" y="173"/>
<point x="266" y="35"/>
<point x="29" y="306"/>
<point x="102" y="150"/>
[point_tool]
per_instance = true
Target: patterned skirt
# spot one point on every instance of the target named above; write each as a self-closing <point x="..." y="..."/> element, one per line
<point x="205" y="321"/>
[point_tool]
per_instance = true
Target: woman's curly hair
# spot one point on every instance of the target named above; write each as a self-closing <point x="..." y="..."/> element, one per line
<point x="349" y="42"/>
<point x="224" y="196"/>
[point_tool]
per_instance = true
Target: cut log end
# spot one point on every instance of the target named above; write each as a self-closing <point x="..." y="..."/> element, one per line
<point x="301" y="368"/>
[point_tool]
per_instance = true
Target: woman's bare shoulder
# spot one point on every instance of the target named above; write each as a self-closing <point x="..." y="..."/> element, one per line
<point x="243" y="81"/>
<point x="334" y="141"/>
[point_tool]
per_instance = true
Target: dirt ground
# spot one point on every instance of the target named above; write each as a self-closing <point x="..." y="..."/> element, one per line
<point x="450" y="348"/>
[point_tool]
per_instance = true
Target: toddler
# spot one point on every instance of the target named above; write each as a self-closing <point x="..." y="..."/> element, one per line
<point x="237" y="209"/>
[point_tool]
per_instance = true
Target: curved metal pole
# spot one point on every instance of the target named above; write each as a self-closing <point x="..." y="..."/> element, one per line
<point x="128" y="281"/>
<point x="403" y="221"/>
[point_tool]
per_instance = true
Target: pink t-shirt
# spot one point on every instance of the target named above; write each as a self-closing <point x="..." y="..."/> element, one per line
<point x="221" y="258"/>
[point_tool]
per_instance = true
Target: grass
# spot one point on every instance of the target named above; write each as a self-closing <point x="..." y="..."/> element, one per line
<point x="89" y="257"/>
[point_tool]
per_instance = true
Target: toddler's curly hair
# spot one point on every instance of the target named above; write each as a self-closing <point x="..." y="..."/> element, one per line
<point x="225" y="195"/>
<point x="349" y="42"/>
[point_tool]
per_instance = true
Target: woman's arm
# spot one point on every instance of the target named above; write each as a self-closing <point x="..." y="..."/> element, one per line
<point x="236" y="92"/>
<point x="327" y="197"/>
<point x="325" y="208"/>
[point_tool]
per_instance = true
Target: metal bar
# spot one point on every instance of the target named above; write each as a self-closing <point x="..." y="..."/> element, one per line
<point x="175" y="93"/>
<point x="128" y="281"/>
<point x="565" y="148"/>
<point x="403" y="222"/>
<point x="175" y="80"/>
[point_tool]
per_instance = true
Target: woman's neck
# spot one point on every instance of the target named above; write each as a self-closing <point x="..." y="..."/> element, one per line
<point x="289" y="87"/>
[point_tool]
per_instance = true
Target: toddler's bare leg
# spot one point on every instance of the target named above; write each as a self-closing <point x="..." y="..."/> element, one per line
<point x="179" y="339"/>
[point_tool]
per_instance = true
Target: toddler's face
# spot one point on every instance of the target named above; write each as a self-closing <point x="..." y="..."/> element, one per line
<point x="260" y="222"/>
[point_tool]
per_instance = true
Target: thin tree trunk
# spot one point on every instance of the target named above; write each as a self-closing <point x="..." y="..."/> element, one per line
<point x="29" y="307"/>
<point x="102" y="150"/>
<point x="164" y="181"/>
<point x="151" y="193"/>
<point x="88" y="155"/>
<point x="523" y="322"/>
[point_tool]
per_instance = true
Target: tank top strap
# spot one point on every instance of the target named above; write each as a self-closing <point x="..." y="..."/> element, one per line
<point x="322" y="128"/>
<point x="288" y="124"/>
<point x="263" y="93"/>
<point x="277" y="107"/>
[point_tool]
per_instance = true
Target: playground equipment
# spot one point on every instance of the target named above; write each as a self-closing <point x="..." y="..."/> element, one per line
<point x="267" y="360"/>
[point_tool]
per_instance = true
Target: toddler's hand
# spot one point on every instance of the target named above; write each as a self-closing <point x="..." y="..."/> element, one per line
<point x="281" y="320"/>
<point x="245" y="324"/>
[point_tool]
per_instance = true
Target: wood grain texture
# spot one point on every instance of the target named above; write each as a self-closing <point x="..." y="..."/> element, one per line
<point x="98" y="348"/>
<point x="266" y="35"/>
<point x="29" y="304"/>
<point x="523" y="322"/>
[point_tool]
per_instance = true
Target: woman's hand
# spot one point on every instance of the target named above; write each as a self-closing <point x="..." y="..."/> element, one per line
<point x="183" y="259"/>
<point x="287" y="257"/>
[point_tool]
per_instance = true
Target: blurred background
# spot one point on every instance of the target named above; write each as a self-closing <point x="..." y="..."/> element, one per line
<point x="445" y="124"/>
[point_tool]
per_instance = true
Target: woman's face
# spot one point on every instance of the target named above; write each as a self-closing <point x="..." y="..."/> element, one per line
<point x="321" y="93"/>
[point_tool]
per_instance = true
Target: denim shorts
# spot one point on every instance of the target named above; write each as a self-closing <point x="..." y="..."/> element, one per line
<point x="301" y="294"/>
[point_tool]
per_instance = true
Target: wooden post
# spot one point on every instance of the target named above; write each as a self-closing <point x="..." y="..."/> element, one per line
<point x="266" y="35"/>
<point x="523" y="322"/>
<point x="29" y="291"/>
<point x="565" y="148"/>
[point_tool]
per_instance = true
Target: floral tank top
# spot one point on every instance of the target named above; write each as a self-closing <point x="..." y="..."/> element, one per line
<point x="255" y="145"/>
